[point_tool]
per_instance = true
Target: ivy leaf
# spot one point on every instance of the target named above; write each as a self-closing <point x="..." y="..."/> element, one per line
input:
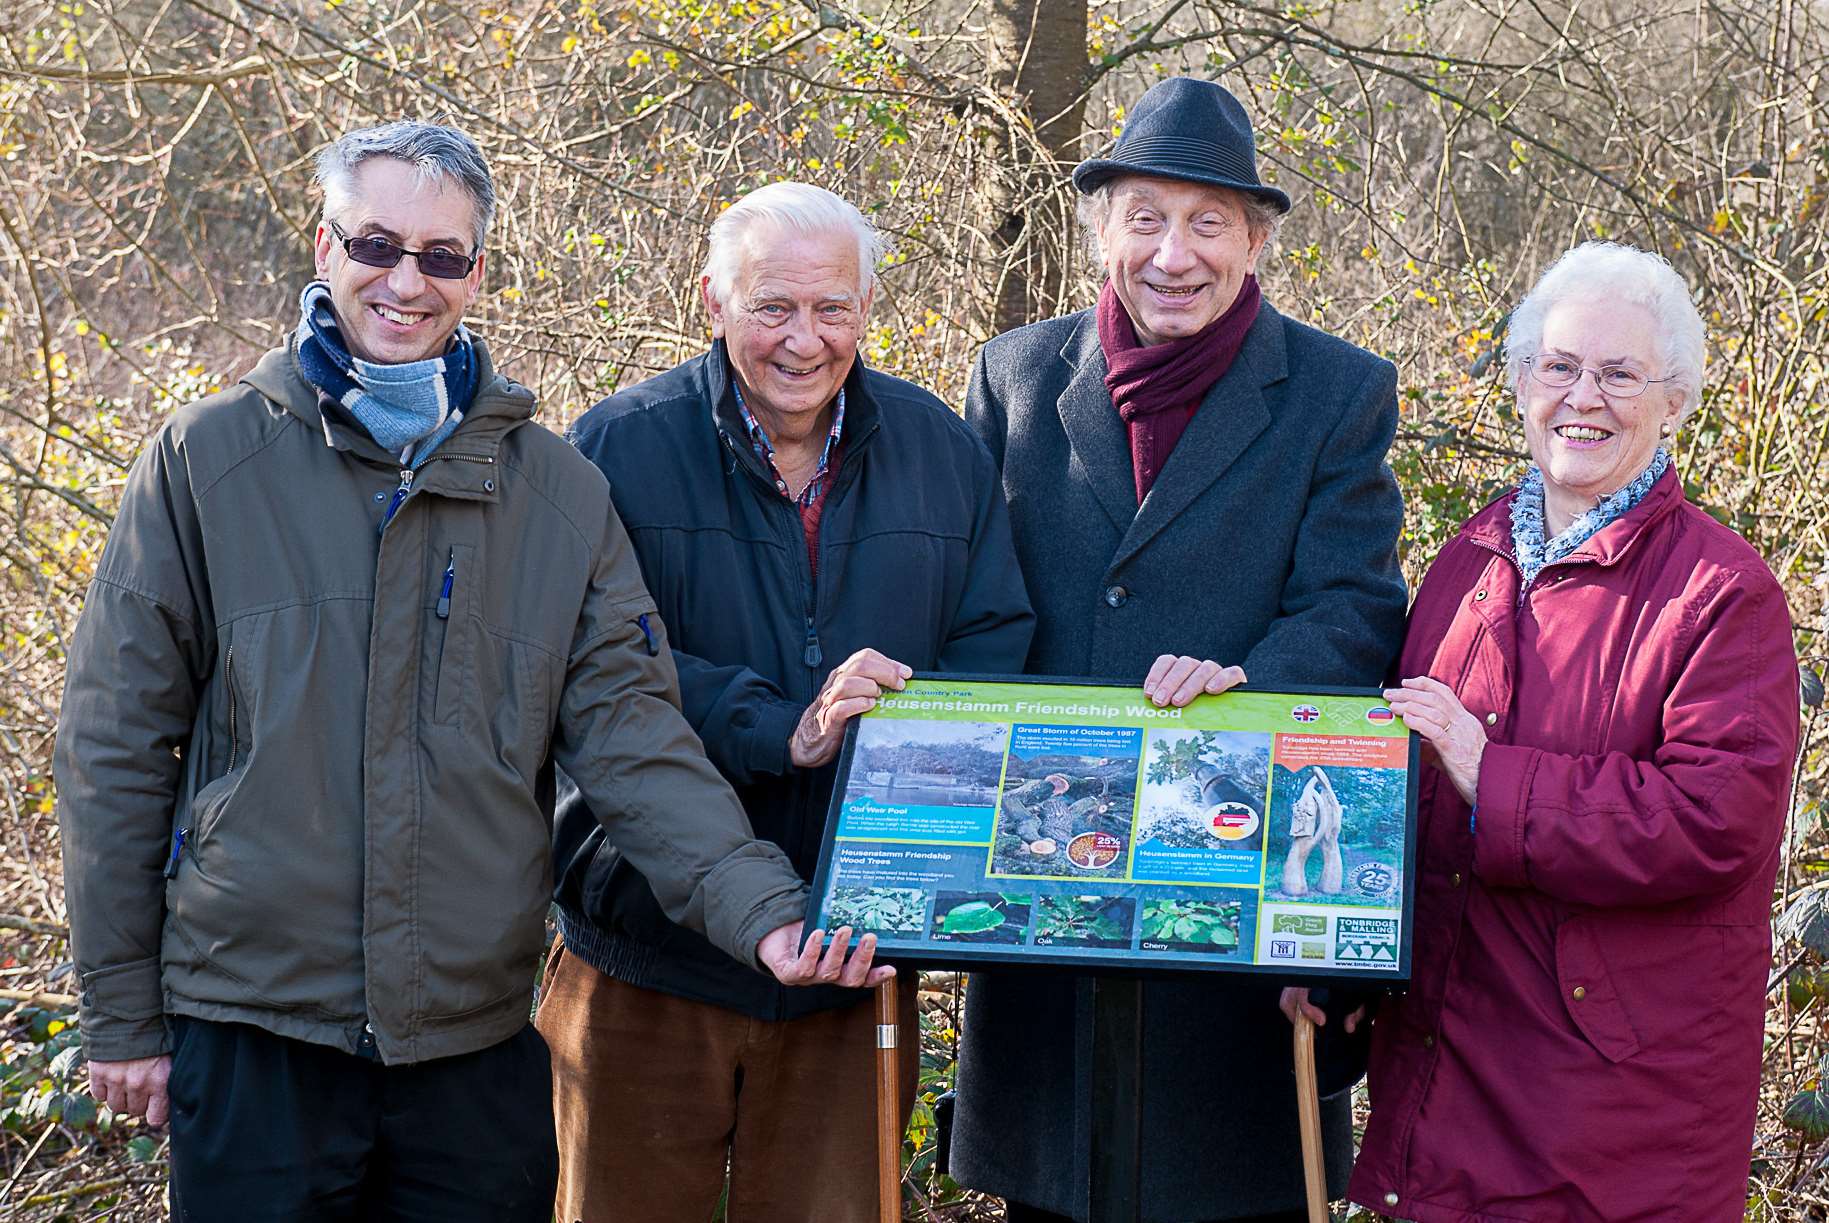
<point x="1809" y="688"/>
<point x="65" y="1063"/>
<point x="1806" y="920"/>
<point x="80" y="1110"/>
<point x="142" y="1149"/>
<point x="1808" y="1114"/>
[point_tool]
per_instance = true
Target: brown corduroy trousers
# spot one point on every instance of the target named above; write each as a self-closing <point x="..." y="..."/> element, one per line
<point x="654" y="1096"/>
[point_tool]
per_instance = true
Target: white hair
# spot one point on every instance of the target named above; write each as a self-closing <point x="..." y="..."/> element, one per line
<point x="1094" y="208"/>
<point x="798" y="208"/>
<point x="1611" y="272"/>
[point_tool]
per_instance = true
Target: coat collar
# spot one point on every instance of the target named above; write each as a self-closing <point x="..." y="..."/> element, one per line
<point x="1231" y="415"/>
<point x="1491" y="527"/>
<point x="862" y="412"/>
<point x="500" y="405"/>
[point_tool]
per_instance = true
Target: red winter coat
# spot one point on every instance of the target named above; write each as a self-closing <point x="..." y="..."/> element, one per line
<point x="1581" y="1037"/>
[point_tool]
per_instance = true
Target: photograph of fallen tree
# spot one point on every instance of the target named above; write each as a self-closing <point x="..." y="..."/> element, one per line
<point x="157" y="213"/>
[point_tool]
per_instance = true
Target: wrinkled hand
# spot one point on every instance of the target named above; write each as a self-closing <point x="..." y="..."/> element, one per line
<point x="851" y="689"/>
<point x="1177" y="679"/>
<point x="781" y="953"/>
<point x="1430" y="708"/>
<point x="1295" y="1003"/>
<point x="134" y="1088"/>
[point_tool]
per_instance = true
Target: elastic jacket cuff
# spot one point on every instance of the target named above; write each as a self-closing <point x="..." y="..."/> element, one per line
<point x="1503" y="800"/>
<point x="768" y="741"/>
<point x="122" y="1012"/>
<point x="748" y="895"/>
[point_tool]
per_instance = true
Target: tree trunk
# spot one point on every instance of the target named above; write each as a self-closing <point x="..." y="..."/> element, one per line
<point x="1036" y="55"/>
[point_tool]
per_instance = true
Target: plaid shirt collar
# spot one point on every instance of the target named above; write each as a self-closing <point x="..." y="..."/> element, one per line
<point x="765" y="449"/>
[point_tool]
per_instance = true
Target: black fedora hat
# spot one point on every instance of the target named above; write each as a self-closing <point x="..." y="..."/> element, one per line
<point x="1186" y="129"/>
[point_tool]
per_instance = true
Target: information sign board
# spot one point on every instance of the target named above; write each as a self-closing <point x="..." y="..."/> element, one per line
<point x="1017" y="821"/>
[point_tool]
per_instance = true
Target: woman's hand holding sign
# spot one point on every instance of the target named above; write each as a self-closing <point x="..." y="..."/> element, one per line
<point x="1176" y="679"/>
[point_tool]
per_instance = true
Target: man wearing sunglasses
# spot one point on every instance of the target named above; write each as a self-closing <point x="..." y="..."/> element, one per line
<point x="352" y="613"/>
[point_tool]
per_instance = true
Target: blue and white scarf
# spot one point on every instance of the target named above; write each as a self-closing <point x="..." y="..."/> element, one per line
<point x="419" y="402"/>
<point x="1533" y="552"/>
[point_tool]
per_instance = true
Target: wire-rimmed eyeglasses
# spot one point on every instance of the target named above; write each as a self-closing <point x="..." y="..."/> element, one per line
<point x="377" y="252"/>
<point x="1560" y="373"/>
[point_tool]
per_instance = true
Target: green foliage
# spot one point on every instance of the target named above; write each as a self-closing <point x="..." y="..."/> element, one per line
<point x="1192" y="921"/>
<point x="1808" y="1113"/>
<point x="972" y="917"/>
<point x="878" y="909"/>
<point x="1805" y="920"/>
<point x="41" y="1077"/>
<point x="1178" y="757"/>
<point x="1083" y="919"/>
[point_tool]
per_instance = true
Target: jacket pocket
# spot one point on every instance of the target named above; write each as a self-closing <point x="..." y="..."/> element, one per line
<point x="455" y="630"/>
<point x="240" y="641"/>
<point x="233" y="699"/>
<point x="1588" y="992"/>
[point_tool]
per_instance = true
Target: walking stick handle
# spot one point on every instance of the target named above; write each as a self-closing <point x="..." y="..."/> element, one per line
<point x="1308" y="1109"/>
<point x="888" y="1110"/>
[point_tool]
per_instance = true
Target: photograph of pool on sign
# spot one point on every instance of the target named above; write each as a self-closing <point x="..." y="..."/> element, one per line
<point x="1007" y="821"/>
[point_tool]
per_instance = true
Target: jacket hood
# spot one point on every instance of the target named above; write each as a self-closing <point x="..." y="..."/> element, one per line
<point x="499" y="406"/>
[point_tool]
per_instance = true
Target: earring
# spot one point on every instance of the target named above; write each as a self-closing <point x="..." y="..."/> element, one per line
<point x="1666" y="429"/>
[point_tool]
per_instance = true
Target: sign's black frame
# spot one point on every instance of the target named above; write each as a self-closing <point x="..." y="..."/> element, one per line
<point x="968" y="956"/>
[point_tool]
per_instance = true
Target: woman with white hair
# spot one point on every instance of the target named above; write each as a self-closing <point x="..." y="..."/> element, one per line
<point x="1605" y="679"/>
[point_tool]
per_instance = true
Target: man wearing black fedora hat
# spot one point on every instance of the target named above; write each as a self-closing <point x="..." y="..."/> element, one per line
<point x="1199" y="494"/>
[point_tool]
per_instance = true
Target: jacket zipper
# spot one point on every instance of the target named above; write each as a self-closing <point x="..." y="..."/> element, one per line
<point x="840" y="480"/>
<point x="177" y="851"/>
<point x="400" y="496"/>
<point x="180" y="835"/>
<point x="811" y="653"/>
<point x="228" y="666"/>
<point x="444" y="592"/>
<point x="1536" y="583"/>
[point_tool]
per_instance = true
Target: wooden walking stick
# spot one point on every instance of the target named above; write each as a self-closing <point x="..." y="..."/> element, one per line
<point x="888" y="1109"/>
<point x="1308" y="1109"/>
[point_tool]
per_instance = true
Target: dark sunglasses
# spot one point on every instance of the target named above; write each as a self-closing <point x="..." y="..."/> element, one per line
<point x="384" y="253"/>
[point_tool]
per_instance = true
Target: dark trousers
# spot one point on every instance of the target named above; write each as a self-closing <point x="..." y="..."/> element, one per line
<point x="265" y="1129"/>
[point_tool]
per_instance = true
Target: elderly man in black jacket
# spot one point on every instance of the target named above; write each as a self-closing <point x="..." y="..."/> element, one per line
<point x="791" y="510"/>
<point x="1198" y="493"/>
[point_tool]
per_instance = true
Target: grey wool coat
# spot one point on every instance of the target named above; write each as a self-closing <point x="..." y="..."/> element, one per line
<point x="1268" y="540"/>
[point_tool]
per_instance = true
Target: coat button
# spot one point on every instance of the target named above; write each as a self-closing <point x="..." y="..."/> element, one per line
<point x="1492" y="719"/>
<point x="1579" y="992"/>
<point x="1390" y="1199"/>
<point x="1454" y="880"/>
<point x="488" y="486"/>
<point x="1428" y="1042"/>
<point x="1479" y="596"/>
<point x="1115" y="596"/>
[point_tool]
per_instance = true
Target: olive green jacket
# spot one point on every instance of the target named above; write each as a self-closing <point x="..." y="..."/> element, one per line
<point x="304" y="765"/>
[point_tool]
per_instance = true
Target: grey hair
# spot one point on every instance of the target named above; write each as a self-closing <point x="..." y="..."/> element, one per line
<point x="1611" y="272"/>
<point x="799" y="208"/>
<point x="1094" y="208"/>
<point x="436" y="150"/>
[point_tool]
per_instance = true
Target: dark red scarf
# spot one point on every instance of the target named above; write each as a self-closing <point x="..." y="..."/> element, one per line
<point x="1157" y="388"/>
